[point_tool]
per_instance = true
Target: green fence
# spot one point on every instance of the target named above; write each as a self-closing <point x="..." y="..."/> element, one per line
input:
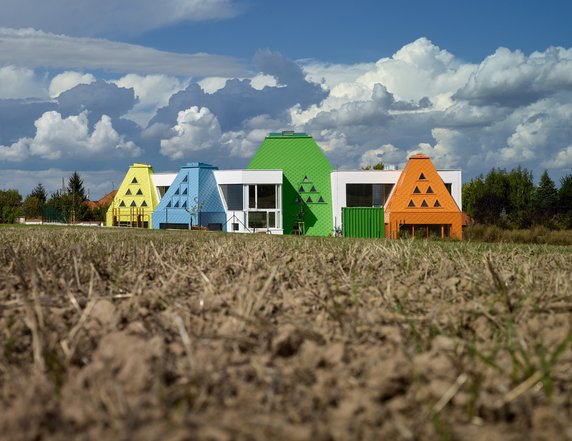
<point x="363" y="222"/>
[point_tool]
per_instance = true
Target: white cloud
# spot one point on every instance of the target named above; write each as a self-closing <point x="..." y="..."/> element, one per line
<point x="563" y="159"/>
<point x="20" y="82"/>
<point x="387" y="153"/>
<point x="32" y="48"/>
<point x="196" y="129"/>
<point x="58" y="138"/>
<point x="68" y="80"/>
<point x="152" y="92"/>
<point x="118" y="17"/>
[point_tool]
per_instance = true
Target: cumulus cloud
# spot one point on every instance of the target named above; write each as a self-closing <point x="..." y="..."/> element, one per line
<point x="509" y="78"/>
<point x="196" y="129"/>
<point x="20" y="82"/>
<point x="119" y="17"/>
<point x="32" y="48"/>
<point x="68" y="80"/>
<point x="58" y="137"/>
<point x="151" y="91"/>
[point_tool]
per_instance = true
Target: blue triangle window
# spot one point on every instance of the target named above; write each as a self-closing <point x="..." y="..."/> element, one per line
<point x="186" y="179"/>
<point x="185" y="191"/>
<point x="184" y="204"/>
<point x="169" y="204"/>
<point x="176" y="204"/>
<point x="177" y="191"/>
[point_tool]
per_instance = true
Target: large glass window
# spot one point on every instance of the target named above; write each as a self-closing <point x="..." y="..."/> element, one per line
<point x="367" y="195"/>
<point x="262" y="219"/>
<point x="266" y="196"/>
<point x="233" y="196"/>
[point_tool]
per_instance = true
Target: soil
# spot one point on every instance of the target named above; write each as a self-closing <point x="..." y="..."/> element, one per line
<point x="153" y="335"/>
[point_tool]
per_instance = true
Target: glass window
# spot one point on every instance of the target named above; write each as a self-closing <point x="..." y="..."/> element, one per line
<point x="385" y="192"/>
<point x="257" y="219"/>
<point x="233" y="196"/>
<point x="449" y="187"/>
<point x="252" y="196"/>
<point x="359" y="195"/>
<point x="272" y="219"/>
<point x="266" y="196"/>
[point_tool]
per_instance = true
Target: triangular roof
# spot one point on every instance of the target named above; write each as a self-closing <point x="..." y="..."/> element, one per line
<point x="411" y="191"/>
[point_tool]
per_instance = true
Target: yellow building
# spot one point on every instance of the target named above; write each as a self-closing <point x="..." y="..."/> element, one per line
<point x="135" y="200"/>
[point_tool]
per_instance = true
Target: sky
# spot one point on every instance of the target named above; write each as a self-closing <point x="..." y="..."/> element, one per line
<point x="94" y="86"/>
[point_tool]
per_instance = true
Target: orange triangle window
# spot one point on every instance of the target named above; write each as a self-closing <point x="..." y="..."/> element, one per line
<point x="422" y="177"/>
<point x="429" y="190"/>
<point x="424" y="204"/>
<point x="411" y="204"/>
<point x="437" y="204"/>
<point x="416" y="190"/>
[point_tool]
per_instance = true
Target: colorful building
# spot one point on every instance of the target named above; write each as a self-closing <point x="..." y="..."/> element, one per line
<point x="290" y="187"/>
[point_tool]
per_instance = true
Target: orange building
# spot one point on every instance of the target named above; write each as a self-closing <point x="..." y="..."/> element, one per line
<point x="421" y="205"/>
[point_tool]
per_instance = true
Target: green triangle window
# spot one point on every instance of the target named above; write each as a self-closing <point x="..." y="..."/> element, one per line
<point x="437" y="204"/>
<point x="422" y="177"/>
<point x="424" y="203"/>
<point x="144" y="204"/>
<point x="411" y="204"/>
<point x="134" y="181"/>
<point x="133" y="204"/>
<point x="321" y="200"/>
<point x="301" y="189"/>
<point x="416" y="190"/>
<point x="309" y="200"/>
<point x="305" y="178"/>
<point x="122" y="204"/>
<point x="139" y="192"/>
<point x="313" y="189"/>
<point x="128" y="192"/>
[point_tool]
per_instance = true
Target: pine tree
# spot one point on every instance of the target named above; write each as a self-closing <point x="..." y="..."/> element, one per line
<point x="39" y="192"/>
<point x="75" y="187"/>
<point x="545" y="199"/>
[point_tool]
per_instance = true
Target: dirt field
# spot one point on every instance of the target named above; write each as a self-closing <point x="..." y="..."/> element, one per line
<point x="149" y="335"/>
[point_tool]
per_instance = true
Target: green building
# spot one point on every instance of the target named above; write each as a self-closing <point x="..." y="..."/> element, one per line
<point x="306" y="187"/>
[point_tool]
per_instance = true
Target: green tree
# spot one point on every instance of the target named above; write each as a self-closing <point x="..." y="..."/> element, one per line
<point x="472" y="192"/>
<point x="32" y="207"/>
<point x="75" y="186"/>
<point x="545" y="199"/>
<point x="62" y="202"/>
<point x="565" y="200"/>
<point x="10" y="201"/>
<point x="520" y="194"/>
<point x="378" y="166"/>
<point x="39" y="192"/>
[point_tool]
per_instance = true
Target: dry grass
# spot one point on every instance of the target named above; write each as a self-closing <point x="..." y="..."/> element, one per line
<point x="115" y="334"/>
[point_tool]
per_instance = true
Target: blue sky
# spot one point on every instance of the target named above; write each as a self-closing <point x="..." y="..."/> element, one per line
<point x="96" y="86"/>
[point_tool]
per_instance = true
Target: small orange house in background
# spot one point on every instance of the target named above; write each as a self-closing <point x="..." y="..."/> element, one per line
<point x="421" y="205"/>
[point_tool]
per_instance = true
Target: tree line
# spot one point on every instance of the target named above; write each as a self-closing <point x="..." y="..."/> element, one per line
<point x="65" y="205"/>
<point x="512" y="200"/>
